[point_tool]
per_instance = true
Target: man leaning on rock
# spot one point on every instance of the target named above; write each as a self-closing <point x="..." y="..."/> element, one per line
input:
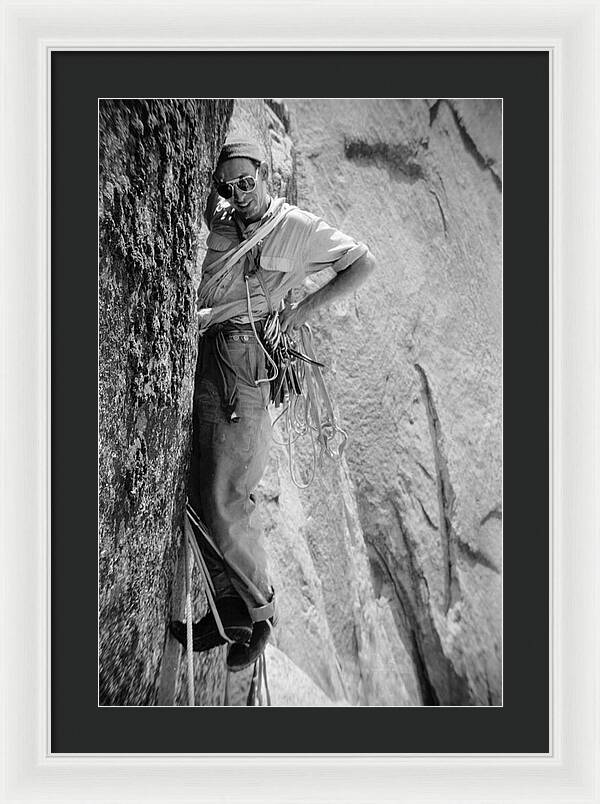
<point x="260" y="248"/>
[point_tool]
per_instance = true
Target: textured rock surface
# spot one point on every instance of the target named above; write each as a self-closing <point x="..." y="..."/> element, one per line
<point x="156" y="158"/>
<point x="388" y="568"/>
<point x="288" y="684"/>
<point x="416" y="366"/>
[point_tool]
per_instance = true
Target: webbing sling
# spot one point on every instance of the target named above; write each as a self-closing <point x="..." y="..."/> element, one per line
<point x="259" y="683"/>
<point x="265" y="608"/>
<point x="208" y="584"/>
<point x="212" y="284"/>
<point x="192" y="551"/>
<point x="188" y="619"/>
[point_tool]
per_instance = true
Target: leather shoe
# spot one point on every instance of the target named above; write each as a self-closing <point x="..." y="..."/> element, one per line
<point x="236" y="623"/>
<point x="241" y="655"/>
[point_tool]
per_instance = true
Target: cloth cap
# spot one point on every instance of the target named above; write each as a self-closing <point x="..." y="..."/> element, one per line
<point x="241" y="150"/>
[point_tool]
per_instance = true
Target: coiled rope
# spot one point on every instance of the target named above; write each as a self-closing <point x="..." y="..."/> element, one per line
<point x="296" y="381"/>
<point x="307" y="407"/>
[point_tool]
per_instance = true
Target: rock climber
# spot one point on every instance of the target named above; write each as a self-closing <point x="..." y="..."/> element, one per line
<point x="259" y="248"/>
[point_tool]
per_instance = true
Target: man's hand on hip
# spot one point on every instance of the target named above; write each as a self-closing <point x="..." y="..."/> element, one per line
<point x="293" y="317"/>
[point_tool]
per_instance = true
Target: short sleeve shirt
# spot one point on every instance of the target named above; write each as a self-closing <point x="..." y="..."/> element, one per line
<point x="300" y="245"/>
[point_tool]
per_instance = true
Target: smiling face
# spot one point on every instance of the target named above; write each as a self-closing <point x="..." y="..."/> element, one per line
<point x="252" y="204"/>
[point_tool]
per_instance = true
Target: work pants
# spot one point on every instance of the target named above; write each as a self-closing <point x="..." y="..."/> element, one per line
<point x="229" y="457"/>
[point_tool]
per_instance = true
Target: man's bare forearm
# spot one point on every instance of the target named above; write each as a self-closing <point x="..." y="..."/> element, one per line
<point x="342" y="284"/>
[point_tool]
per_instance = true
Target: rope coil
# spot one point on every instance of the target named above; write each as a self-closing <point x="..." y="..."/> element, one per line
<point x="300" y="388"/>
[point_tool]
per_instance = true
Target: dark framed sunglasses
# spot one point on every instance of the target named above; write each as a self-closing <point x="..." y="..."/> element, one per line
<point x="244" y="183"/>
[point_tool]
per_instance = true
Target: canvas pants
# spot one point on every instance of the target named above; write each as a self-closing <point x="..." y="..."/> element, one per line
<point x="229" y="457"/>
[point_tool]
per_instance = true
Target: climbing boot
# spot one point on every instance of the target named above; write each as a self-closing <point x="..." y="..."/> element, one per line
<point x="240" y="655"/>
<point x="236" y="624"/>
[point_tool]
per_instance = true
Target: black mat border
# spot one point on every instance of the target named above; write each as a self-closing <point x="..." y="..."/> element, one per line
<point x="78" y="79"/>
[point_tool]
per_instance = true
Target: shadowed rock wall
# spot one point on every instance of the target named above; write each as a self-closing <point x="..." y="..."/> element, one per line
<point x="156" y="159"/>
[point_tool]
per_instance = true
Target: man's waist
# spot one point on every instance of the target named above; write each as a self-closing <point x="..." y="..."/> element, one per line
<point x="235" y="330"/>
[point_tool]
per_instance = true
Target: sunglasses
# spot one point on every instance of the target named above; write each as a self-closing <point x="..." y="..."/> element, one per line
<point x="245" y="183"/>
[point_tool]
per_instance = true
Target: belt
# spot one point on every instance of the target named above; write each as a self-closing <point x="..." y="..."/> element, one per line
<point x="234" y="332"/>
<point x="238" y="336"/>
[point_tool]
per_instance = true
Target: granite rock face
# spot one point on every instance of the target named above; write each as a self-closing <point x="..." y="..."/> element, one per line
<point x="156" y="159"/>
<point x="388" y="566"/>
<point x="415" y="366"/>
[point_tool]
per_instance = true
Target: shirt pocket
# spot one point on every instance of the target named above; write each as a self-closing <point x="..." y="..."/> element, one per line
<point x="218" y="242"/>
<point x="273" y="262"/>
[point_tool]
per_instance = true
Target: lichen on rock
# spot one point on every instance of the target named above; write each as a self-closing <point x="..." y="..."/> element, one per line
<point x="155" y="159"/>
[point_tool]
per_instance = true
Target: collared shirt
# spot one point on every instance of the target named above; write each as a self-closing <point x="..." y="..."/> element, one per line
<point x="300" y="245"/>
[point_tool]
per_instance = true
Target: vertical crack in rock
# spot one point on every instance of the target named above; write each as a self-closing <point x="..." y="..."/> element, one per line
<point x="471" y="146"/>
<point x="408" y="631"/>
<point x="445" y="493"/>
<point x="439" y="683"/>
<point x="433" y="111"/>
<point x="427" y="517"/>
<point x="441" y="209"/>
<point x="424" y="470"/>
<point x="282" y="112"/>
<point x="428" y="692"/>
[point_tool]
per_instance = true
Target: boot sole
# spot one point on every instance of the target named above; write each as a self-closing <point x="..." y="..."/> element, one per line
<point x="239" y="667"/>
<point x="214" y="639"/>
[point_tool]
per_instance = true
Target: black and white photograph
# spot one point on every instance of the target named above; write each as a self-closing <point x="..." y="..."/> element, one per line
<point x="300" y="402"/>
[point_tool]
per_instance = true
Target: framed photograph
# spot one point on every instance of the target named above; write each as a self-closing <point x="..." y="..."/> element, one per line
<point x="345" y="495"/>
<point x="469" y="670"/>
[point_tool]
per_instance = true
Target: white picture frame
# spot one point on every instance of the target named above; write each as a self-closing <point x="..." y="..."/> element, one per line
<point x="569" y="31"/>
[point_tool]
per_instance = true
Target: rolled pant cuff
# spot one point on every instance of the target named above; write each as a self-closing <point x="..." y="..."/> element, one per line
<point x="261" y="613"/>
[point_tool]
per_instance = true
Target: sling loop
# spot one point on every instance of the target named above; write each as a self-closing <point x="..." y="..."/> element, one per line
<point x="193" y="553"/>
<point x="258" y="684"/>
<point x="188" y="619"/>
<point x="258" y="340"/>
<point x="212" y="284"/>
<point x="208" y="585"/>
